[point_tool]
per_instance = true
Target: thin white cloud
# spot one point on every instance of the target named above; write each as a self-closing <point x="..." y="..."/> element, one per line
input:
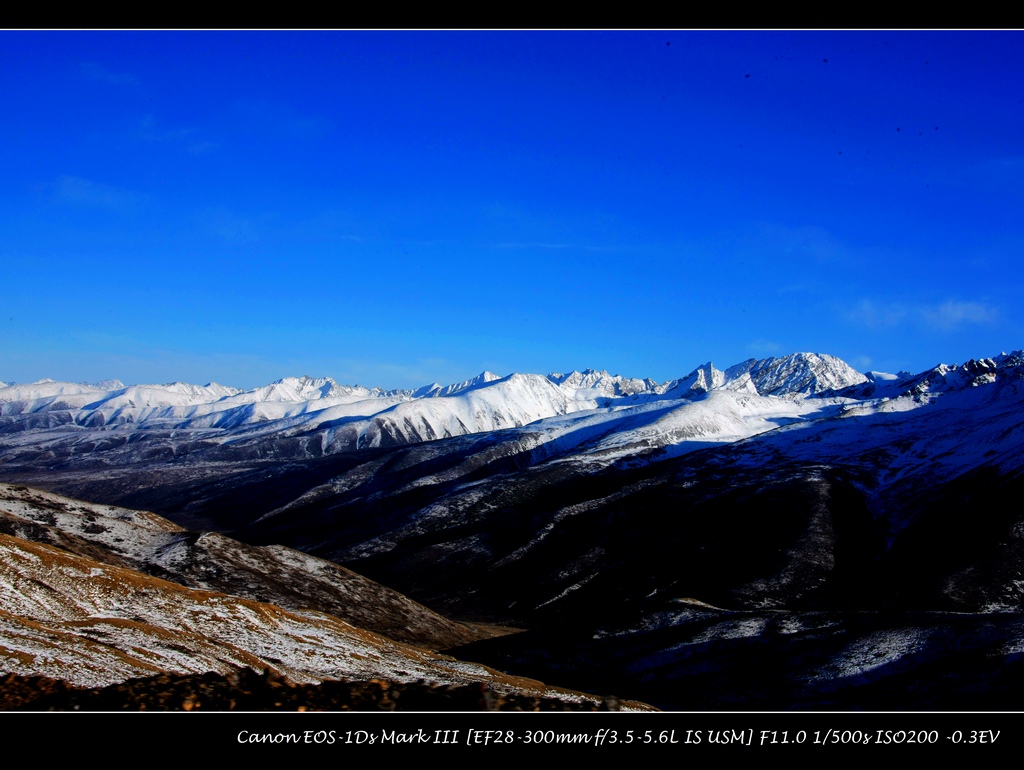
<point x="201" y="148"/>
<point x="190" y="138"/>
<point x="879" y="315"/>
<point x="806" y="241"/>
<point x="946" y="316"/>
<point x="76" y="191"/>
<point x="797" y="288"/>
<point x="951" y="315"/>
<point x="547" y="246"/>
<point x="861" y="363"/>
<point x="264" y="117"/>
<point x="231" y="227"/>
<point x="95" y="71"/>
<point x="1006" y="164"/>
<point x="534" y="245"/>
<point x="764" y="347"/>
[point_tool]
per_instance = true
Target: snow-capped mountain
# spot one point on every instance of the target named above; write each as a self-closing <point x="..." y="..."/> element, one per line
<point x="805" y="374"/>
<point x="772" y="505"/>
<point x="319" y="416"/>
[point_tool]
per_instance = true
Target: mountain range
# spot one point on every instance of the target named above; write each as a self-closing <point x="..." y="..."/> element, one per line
<point x="782" y="533"/>
<point x="313" y="417"/>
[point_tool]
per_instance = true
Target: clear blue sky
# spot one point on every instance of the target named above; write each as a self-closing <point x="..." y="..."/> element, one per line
<point x="394" y="208"/>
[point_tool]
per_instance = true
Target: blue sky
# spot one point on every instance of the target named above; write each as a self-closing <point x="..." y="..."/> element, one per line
<point x="395" y="208"/>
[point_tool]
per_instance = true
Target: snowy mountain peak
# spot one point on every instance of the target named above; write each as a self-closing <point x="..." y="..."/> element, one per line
<point x="874" y="376"/>
<point x="427" y="391"/>
<point x="314" y="416"/>
<point x="942" y="378"/>
<point x="576" y="379"/>
<point x="107" y="385"/>
<point x="481" y="379"/>
<point x="700" y="380"/>
<point x="947" y="377"/>
<point x="306" y="388"/>
<point x="1010" y="360"/>
<point x="805" y="374"/>
<point x="597" y="383"/>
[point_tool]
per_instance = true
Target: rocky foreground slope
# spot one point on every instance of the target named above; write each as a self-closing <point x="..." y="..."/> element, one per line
<point x="74" y="608"/>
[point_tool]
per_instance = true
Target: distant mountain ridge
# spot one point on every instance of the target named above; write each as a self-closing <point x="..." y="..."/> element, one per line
<point x="794" y="373"/>
<point x="339" y="417"/>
